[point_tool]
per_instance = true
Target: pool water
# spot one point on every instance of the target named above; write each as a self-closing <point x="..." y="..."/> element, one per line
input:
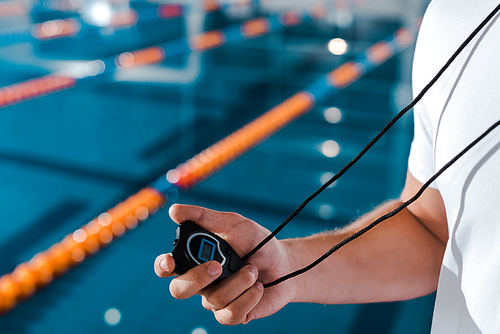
<point x="68" y="156"/>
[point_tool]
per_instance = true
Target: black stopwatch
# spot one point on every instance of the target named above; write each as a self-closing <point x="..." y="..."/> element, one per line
<point x="194" y="245"/>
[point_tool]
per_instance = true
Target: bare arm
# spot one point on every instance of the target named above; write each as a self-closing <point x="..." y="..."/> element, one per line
<point x="398" y="259"/>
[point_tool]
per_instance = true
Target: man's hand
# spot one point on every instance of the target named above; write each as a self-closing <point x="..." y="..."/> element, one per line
<point x="399" y="259"/>
<point x="241" y="297"/>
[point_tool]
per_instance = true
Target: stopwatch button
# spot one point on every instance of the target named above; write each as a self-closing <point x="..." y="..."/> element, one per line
<point x="176" y="241"/>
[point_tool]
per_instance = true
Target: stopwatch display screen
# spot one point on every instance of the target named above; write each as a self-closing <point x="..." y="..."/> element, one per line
<point x="207" y="250"/>
<point x="204" y="247"/>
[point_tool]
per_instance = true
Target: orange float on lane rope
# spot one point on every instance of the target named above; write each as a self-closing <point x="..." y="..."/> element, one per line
<point x="207" y="40"/>
<point x="76" y="247"/>
<point x="255" y="27"/>
<point x="226" y="150"/>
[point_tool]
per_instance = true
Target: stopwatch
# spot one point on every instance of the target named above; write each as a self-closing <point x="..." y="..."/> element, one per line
<point x="193" y="245"/>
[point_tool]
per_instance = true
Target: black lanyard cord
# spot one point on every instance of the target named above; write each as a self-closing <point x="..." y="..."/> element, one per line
<point x="387" y="215"/>
<point x="360" y="155"/>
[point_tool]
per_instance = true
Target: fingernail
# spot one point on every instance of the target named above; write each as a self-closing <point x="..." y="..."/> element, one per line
<point x="259" y="286"/>
<point x="164" y="264"/>
<point x="254" y="271"/>
<point x="213" y="269"/>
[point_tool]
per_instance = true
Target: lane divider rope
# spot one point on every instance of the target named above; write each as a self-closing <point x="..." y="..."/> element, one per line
<point x="45" y="266"/>
<point x="55" y="82"/>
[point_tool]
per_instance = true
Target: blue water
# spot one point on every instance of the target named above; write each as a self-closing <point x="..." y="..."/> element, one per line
<point x="66" y="157"/>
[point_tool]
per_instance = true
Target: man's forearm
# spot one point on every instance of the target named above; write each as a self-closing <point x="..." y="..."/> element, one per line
<point x="398" y="259"/>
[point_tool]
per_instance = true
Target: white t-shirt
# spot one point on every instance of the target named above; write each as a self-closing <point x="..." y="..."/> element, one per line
<point x="457" y="109"/>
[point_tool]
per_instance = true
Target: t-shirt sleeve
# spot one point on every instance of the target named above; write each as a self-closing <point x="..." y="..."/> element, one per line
<point x="421" y="159"/>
